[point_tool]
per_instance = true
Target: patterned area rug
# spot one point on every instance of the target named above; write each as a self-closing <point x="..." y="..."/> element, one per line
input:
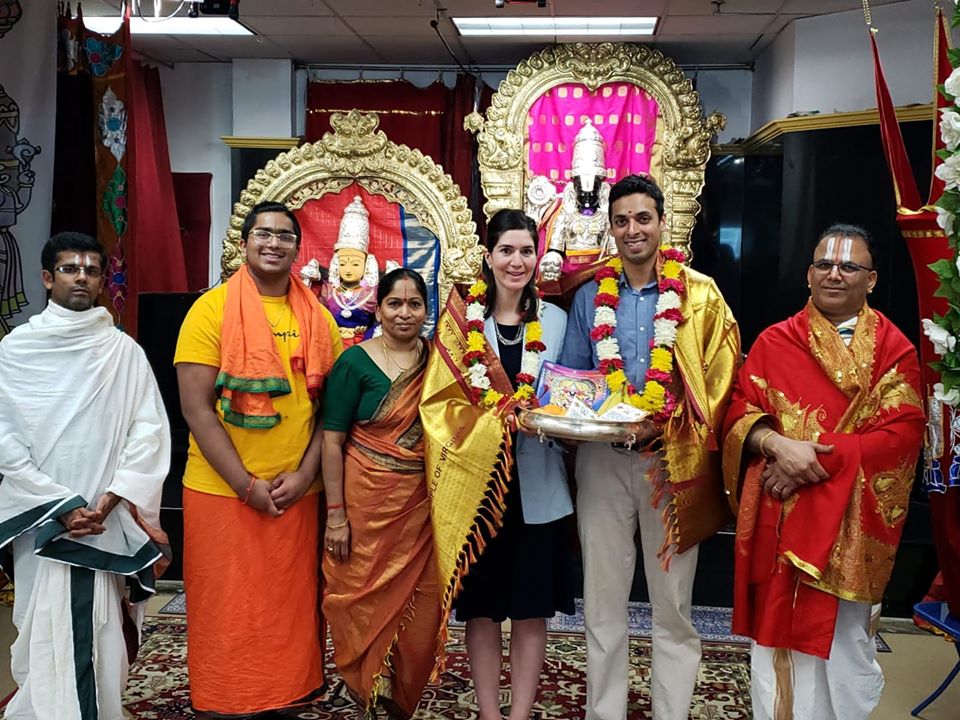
<point x="713" y="623"/>
<point x="157" y="688"/>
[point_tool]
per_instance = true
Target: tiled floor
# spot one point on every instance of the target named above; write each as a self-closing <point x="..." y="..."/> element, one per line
<point x="913" y="669"/>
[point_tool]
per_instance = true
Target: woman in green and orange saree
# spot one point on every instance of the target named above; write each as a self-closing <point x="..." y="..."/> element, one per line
<point x="381" y="597"/>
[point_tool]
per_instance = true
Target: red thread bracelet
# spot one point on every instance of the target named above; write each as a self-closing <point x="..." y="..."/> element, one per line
<point x="253" y="480"/>
<point x="336" y="506"/>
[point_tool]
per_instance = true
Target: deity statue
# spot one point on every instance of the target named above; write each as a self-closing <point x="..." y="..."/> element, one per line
<point x="575" y="221"/>
<point x="350" y="293"/>
<point x="16" y="188"/>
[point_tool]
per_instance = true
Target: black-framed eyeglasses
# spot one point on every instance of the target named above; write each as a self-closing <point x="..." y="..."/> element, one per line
<point x="284" y="239"/>
<point x="91" y="271"/>
<point x="825" y="267"/>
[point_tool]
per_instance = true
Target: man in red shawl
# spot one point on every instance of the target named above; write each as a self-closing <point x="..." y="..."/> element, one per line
<point x="820" y="448"/>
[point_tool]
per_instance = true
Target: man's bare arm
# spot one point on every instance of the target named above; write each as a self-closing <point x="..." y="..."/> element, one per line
<point x="197" y="401"/>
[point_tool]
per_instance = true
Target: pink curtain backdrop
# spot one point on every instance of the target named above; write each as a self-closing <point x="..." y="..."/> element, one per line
<point x="625" y="115"/>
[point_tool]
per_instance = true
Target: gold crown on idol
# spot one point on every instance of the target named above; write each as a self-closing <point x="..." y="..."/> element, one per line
<point x="354" y="228"/>
<point x="588" y="152"/>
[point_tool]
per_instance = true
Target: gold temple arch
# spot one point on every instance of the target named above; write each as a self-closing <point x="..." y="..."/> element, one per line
<point x="357" y="152"/>
<point x="686" y="145"/>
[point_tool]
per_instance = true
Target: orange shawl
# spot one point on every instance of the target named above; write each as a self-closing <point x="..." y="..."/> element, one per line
<point x="250" y="368"/>
<point x="383" y="604"/>
<point x="837" y="538"/>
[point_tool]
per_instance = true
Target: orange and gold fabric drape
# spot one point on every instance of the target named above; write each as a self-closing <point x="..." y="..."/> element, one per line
<point x="383" y="606"/>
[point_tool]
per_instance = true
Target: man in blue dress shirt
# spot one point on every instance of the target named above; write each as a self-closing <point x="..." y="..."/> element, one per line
<point x="621" y="489"/>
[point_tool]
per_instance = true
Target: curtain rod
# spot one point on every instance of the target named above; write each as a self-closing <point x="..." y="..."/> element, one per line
<point x="487" y="68"/>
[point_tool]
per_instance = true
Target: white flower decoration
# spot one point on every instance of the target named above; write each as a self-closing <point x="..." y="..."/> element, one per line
<point x="608" y="348"/>
<point x="475" y="312"/>
<point x="668" y="301"/>
<point x="952" y="84"/>
<point x="951" y="398"/>
<point x="478" y="376"/>
<point x="950" y="128"/>
<point x="605" y="316"/>
<point x="530" y="364"/>
<point x="943" y="341"/>
<point x="949" y="171"/>
<point x="664" y="331"/>
<point x="945" y="219"/>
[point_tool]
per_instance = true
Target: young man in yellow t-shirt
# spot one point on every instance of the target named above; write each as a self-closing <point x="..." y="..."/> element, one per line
<point x="249" y="360"/>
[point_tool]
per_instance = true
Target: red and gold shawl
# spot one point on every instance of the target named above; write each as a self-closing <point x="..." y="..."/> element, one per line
<point x="837" y="538"/>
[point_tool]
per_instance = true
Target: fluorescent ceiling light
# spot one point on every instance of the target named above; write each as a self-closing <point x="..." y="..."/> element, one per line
<point x="555" y="26"/>
<point x="179" y="25"/>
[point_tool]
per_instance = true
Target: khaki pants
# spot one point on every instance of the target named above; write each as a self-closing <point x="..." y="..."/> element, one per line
<point x="613" y="499"/>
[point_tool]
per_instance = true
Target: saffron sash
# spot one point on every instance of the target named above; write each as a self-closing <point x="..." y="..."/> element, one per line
<point x="250" y="368"/>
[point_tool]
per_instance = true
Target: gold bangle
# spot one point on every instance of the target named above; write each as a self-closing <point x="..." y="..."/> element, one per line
<point x="764" y="440"/>
<point x="337" y="527"/>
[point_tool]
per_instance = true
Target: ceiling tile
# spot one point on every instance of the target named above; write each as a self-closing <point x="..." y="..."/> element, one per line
<point x="731" y="49"/>
<point x="404" y="51"/>
<point x="299" y="25"/>
<point x="375" y="8"/>
<point x="712" y="25"/>
<point x="398" y="27"/>
<point x="339" y="50"/>
<point x="729" y="7"/>
<point x="825" y="7"/>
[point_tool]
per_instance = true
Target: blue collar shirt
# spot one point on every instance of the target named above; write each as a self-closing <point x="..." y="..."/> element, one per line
<point x="634" y="329"/>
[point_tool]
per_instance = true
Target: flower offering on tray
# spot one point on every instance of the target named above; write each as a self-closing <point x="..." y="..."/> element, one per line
<point x="578" y="405"/>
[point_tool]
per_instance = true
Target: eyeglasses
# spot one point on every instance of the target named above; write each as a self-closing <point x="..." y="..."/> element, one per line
<point x="825" y="267"/>
<point x="284" y="239"/>
<point x="91" y="271"/>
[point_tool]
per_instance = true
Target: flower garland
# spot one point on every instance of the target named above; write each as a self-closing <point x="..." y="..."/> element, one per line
<point x="944" y="331"/>
<point x="478" y="372"/>
<point x="656" y="397"/>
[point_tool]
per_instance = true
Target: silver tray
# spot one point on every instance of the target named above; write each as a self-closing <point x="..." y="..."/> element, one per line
<point x="564" y="428"/>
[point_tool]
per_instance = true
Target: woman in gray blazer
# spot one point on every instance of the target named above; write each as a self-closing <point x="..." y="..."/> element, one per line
<point x="524" y="572"/>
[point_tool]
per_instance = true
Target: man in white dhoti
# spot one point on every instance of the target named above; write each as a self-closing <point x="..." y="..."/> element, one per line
<point x="84" y="450"/>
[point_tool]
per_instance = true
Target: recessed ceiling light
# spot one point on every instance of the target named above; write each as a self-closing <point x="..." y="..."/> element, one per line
<point x="555" y="26"/>
<point x="170" y="26"/>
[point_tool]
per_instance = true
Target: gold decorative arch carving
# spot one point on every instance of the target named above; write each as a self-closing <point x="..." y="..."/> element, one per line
<point x="688" y="133"/>
<point x="356" y="152"/>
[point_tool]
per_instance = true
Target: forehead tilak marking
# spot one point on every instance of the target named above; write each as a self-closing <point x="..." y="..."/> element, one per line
<point x="831" y="246"/>
<point x="846" y="246"/>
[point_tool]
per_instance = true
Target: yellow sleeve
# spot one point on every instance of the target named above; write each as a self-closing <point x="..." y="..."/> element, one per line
<point x="199" y="340"/>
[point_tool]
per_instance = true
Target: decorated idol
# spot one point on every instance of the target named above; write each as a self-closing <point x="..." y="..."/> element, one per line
<point x="574" y="221"/>
<point x="351" y="292"/>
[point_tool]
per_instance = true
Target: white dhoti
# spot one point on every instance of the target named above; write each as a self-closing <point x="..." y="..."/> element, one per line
<point x="69" y="659"/>
<point x="845" y="687"/>
<point x="80" y="416"/>
<point x="613" y="501"/>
